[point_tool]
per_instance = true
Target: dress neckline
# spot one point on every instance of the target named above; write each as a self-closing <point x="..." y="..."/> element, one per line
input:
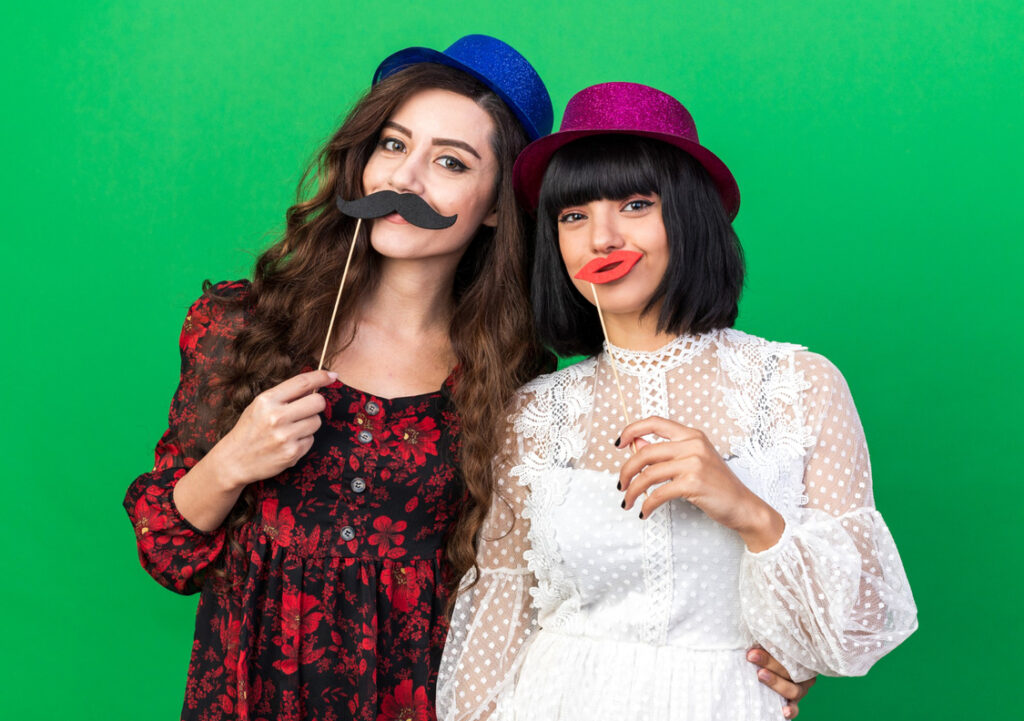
<point x="678" y="351"/>
<point x="446" y="388"/>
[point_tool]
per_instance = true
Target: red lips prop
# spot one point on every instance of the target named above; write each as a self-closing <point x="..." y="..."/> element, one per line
<point x="612" y="267"/>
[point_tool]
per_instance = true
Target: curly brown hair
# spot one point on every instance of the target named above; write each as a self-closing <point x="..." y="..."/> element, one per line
<point x="295" y="281"/>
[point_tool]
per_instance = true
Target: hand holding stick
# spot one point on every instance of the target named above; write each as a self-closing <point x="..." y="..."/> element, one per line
<point x="605" y="270"/>
<point x="615" y="370"/>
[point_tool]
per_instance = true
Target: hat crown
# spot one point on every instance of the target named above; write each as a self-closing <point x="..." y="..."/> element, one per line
<point x="497" y="65"/>
<point x="628" y="107"/>
<point x="622" y="109"/>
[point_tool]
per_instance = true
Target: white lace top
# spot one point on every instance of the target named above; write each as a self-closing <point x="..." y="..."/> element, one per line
<point x="585" y="611"/>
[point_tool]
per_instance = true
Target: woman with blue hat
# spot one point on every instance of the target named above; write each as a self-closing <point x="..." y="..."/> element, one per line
<point x="686" y="491"/>
<point x="311" y="507"/>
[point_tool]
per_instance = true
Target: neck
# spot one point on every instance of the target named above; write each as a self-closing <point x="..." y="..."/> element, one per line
<point x="412" y="297"/>
<point x="636" y="332"/>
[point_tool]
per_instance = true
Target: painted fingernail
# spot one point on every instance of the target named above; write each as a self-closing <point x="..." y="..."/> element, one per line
<point x="764" y="675"/>
<point x="641" y="515"/>
<point x="617" y="441"/>
<point x="618" y="486"/>
<point x="623" y="504"/>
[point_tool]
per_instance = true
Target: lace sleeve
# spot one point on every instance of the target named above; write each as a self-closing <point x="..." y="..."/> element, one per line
<point x="831" y="596"/>
<point x="493" y="618"/>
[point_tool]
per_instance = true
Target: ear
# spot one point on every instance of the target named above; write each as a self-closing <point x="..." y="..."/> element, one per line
<point x="491" y="219"/>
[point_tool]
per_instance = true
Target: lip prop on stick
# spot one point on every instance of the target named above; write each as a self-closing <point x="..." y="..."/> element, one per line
<point x="604" y="270"/>
<point x="384" y="202"/>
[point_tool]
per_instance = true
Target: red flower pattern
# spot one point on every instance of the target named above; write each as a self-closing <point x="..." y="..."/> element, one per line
<point x="286" y="630"/>
<point x="388" y="537"/>
<point x="195" y="326"/>
<point x="297" y="616"/>
<point x="400" y="586"/>
<point x="406" y="704"/>
<point x="277" y="523"/>
<point x="416" y="438"/>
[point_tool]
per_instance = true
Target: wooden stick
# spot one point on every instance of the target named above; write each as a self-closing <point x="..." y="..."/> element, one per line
<point x="611" y="357"/>
<point x="615" y="368"/>
<point x="337" y="300"/>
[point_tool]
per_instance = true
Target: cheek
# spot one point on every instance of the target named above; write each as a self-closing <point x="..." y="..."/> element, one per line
<point x="569" y="255"/>
<point x="453" y="201"/>
<point x="371" y="174"/>
<point x="583" y="288"/>
<point x="659" y="266"/>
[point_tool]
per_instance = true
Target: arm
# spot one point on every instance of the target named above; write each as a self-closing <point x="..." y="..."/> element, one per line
<point x="831" y="596"/>
<point x="179" y="507"/>
<point x="171" y="549"/>
<point x="493" y="619"/>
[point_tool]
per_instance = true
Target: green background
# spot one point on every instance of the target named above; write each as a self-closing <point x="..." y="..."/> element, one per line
<point x="148" y="146"/>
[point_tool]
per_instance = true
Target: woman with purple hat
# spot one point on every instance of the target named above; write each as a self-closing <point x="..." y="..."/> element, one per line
<point x="311" y="508"/>
<point x="686" y="491"/>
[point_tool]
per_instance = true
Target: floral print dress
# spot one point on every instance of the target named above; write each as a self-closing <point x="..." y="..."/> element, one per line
<point x="334" y="608"/>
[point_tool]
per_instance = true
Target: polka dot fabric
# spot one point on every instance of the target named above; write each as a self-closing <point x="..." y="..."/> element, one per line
<point x="585" y="611"/>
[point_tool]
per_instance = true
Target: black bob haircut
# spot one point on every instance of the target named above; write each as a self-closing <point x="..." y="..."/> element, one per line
<point x="701" y="288"/>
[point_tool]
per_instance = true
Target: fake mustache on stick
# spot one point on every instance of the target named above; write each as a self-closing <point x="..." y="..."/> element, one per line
<point x="376" y="205"/>
<point x="408" y="205"/>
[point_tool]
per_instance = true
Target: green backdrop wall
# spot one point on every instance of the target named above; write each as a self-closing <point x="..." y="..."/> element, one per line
<point x="149" y="145"/>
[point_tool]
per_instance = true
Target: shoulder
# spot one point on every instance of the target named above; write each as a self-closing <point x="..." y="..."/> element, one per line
<point x="737" y="341"/>
<point x="222" y="310"/>
<point x="819" y="371"/>
<point x="553" y="397"/>
<point x="810" y="371"/>
<point x="549" y="383"/>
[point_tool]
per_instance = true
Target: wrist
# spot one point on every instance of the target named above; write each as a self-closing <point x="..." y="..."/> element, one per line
<point x="764" y="528"/>
<point x="223" y="471"/>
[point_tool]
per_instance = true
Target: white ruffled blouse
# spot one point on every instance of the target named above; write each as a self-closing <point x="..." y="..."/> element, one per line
<point x="584" y="611"/>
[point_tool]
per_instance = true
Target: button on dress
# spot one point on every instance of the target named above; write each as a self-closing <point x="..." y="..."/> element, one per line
<point x="334" y="607"/>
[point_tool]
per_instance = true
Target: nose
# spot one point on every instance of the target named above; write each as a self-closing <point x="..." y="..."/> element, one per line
<point x="406" y="176"/>
<point x="605" y="234"/>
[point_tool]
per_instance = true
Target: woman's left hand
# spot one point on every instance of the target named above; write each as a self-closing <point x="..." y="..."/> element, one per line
<point x="687" y="466"/>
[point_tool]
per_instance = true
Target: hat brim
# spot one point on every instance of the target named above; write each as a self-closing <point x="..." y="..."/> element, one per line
<point x="531" y="164"/>
<point x="414" y="56"/>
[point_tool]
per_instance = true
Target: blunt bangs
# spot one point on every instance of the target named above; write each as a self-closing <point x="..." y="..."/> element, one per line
<point x="601" y="167"/>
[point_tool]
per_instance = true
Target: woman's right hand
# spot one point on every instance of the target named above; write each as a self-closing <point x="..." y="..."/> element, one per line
<point x="274" y="431"/>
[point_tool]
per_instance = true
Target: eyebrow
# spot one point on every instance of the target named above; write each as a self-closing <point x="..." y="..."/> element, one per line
<point x="451" y="142"/>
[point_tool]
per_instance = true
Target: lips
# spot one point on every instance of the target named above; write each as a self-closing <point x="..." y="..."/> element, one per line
<point x="612" y="267"/>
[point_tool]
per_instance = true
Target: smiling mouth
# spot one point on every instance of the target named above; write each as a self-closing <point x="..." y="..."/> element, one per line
<point x="612" y="267"/>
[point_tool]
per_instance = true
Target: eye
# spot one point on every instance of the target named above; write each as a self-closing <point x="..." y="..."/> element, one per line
<point x="392" y="145"/>
<point x="570" y="217"/>
<point x="452" y="163"/>
<point x="637" y="204"/>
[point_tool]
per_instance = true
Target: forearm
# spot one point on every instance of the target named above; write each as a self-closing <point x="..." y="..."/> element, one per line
<point x="831" y="596"/>
<point x="206" y="494"/>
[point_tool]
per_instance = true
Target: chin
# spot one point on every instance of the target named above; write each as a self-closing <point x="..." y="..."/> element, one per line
<point x="618" y="298"/>
<point x="396" y="240"/>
